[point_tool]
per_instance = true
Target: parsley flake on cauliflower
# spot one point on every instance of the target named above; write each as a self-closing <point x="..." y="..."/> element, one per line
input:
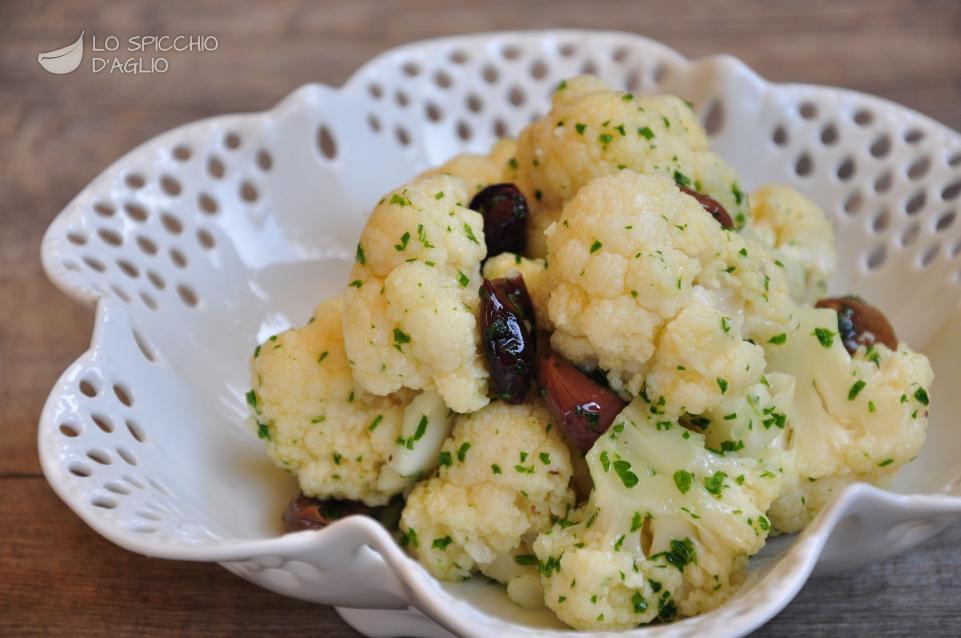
<point x="315" y="420"/>
<point x="503" y="478"/>
<point x="410" y="310"/>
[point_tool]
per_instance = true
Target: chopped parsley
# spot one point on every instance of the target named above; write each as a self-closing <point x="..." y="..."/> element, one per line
<point x="416" y="436"/>
<point x="462" y="451"/>
<point x="715" y="484"/>
<point x="496" y="469"/>
<point x="525" y="559"/>
<point x="596" y="246"/>
<point x="623" y="469"/>
<point x="922" y="396"/>
<point x="855" y="389"/>
<point x="738" y="194"/>
<point x="580" y="128"/>
<point x="885" y="462"/>
<point x="773" y="417"/>
<point x="373" y="424"/>
<point x="444" y="459"/>
<point x="637" y="522"/>
<point x="605" y="461"/>
<point x="681" y="554"/>
<point x="683" y="480"/>
<point x="422" y="236"/>
<point x="442" y="543"/>
<point x="357" y="283"/>
<point x="645" y="132"/>
<point x="463" y="279"/>
<point x="400" y="338"/>
<point x="470" y="233"/>
<point x="682" y="179"/>
<point x="359" y="256"/>
<point x="399" y="200"/>
<point x="825" y="336"/>
<point x="263" y="431"/>
<point x="640" y="605"/>
<point x="545" y="458"/>
<point x="722" y="383"/>
<point x="778" y="339"/>
<point x="252" y="399"/>
<point x="403" y="242"/>
<point x="410" y="538"/>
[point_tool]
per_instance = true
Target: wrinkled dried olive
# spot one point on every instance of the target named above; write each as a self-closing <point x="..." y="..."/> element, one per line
<point x="860" y="323"/>
<point x="711" y="205"/>
<point x="305" y="512"/>
<point x="504" y="209"/>
<point x="583" y="407"/>
<point x="507" y="330"/>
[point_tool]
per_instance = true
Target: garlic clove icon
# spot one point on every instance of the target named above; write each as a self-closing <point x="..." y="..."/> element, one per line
<point x="64" y="60"/>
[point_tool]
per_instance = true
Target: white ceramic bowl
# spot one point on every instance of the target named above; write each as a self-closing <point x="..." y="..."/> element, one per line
<point x="200" y="243"/>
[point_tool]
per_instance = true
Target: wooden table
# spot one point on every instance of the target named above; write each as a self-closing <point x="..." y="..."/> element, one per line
<point x="57" y="576"/>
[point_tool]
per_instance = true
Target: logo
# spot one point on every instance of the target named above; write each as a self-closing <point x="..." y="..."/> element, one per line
<point x="65" y="60"/>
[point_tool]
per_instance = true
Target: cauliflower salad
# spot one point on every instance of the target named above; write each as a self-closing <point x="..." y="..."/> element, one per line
<point x="590" y="367"/>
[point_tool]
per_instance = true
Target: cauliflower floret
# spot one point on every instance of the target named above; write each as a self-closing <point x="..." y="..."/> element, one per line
<point x="700" y="358"/>
<point x="799" y="235"/>
<point x="479" y="171"/>
<point x="410" y="311"/>
<point x="753" y="423"/>
<point x="851" y="418"/>
<point x="593" y="130"/>
<point x="503" y="478"/>
<point x="667" y="530"/>
<point x="536" y="280"/>
<point x="629" y="254"/>
<point x="316" y="422"/>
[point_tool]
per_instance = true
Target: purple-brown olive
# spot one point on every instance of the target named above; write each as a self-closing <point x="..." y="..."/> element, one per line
<point x="507" y="335"/>
<point x="583" y="407"/>
<point x="860" y="323"/>
<point x="504" y="209"/>
<point x="711" y="205"/>
<point x="305" y="512"/>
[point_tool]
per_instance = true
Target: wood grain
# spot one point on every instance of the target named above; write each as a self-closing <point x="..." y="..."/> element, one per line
<point x="58" y="132"/>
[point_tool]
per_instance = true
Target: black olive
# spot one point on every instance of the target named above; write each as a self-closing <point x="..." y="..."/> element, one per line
<point x="504" y="209"/>
<point x="305" y="512"/>
<point x="711" y="205"/>
<point x="860" y="323"/>
<point x="583" y="407"/>
<point x="507" y="331"/>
